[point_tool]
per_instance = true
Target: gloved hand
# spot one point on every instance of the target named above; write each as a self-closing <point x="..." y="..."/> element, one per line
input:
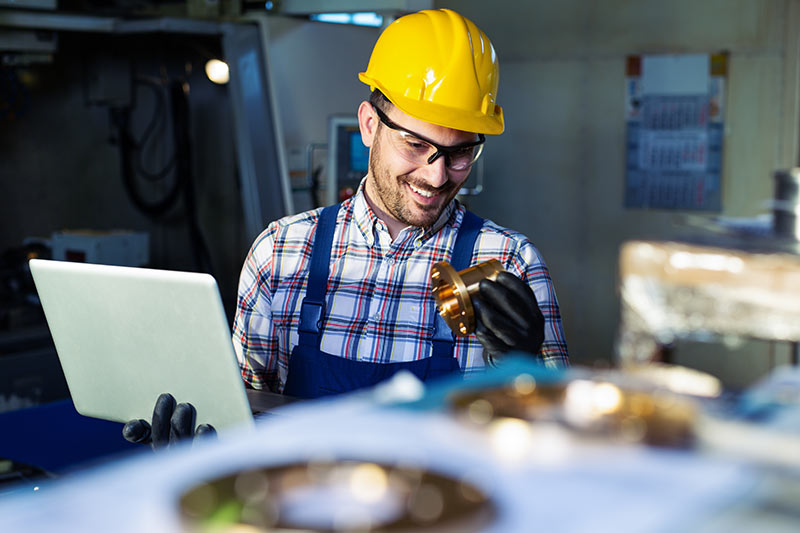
<point x="171" y="423"/>
<point x="508" y="316"/>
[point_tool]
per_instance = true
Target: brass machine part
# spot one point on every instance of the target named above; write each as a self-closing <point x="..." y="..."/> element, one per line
<point x="453" y="291"/>
<point x="638" y="412"/>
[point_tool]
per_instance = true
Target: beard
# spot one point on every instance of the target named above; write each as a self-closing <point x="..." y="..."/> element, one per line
<point x="396" y="202"/>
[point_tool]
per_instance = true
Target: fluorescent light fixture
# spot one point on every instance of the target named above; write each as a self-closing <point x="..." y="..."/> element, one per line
<point x="335" y="18"/>
<point x="367" y="19"/>
<point x="358" y="19"/>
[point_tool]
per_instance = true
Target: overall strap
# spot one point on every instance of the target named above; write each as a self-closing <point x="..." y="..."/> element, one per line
<point x="471" y="225"/>
<point x="462" y="256"/>
<point x="313" y="307"/>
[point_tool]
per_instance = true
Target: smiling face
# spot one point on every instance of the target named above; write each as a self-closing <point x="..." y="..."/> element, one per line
<point x="401" y="192"/>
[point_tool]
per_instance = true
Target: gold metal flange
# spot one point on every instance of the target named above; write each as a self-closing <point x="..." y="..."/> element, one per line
<point x="453" y="290"/>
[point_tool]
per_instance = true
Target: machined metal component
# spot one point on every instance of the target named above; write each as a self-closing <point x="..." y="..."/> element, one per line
<point x="614" y="406"/>
<point x="453" y="291"/>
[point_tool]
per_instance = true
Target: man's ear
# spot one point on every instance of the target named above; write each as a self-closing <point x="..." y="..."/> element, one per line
<point x="368" y="123"/>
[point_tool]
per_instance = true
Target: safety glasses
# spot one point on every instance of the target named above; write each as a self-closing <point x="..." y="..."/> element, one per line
<point x="421" y="151"/>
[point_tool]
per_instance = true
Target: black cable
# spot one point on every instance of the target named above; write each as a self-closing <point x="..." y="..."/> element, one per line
<point x="156" y="119"/>
<point x="120" y="117"/>
<point x="180" y="164"/>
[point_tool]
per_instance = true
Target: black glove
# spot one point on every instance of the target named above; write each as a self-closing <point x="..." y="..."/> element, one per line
<point x="171" y="423"/>
<point x="508" y="317"/>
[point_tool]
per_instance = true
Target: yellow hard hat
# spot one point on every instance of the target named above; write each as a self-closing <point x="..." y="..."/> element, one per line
<point x="437" y="66"/>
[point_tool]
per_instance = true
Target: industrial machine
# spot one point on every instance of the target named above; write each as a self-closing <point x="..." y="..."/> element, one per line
<point x="720" y="282"/>
<point x="348" y="158"/>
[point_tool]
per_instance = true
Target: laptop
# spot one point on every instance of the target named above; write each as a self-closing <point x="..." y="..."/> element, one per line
<point x="125" y="335"/>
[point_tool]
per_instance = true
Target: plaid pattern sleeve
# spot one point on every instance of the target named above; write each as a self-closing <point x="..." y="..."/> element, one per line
<point x="378" y="306"/>
<point x="259" y="340"/>
<point x="521" y="258"/>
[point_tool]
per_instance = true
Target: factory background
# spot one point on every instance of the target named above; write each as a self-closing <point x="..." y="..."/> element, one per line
<point x="557" y="174"/>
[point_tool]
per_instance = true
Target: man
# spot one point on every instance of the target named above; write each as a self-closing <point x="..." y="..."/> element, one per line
<point x="338" y="299"/>
<point x="434" y="79"/>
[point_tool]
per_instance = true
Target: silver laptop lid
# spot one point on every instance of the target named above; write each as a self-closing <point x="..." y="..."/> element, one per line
<point x="125" y="335"/>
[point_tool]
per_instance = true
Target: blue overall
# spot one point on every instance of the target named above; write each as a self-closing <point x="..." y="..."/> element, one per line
<point x="314" y="373"/>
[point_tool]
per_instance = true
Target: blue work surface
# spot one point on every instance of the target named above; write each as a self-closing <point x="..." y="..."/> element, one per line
<point x="56" y="438"/>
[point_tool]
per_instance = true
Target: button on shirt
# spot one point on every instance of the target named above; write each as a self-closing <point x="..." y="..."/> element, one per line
<point x="379" y="306"/>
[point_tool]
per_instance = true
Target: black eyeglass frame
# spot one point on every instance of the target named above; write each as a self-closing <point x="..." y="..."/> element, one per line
<point x="440" y="150"/>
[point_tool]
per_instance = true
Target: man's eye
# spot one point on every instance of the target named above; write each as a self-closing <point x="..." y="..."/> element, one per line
<point x="417" y="145"/>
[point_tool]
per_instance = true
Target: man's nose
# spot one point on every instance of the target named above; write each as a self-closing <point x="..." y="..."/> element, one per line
<point x="436" y="172"/>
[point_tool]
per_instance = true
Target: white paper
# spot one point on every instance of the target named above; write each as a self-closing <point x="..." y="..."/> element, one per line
<point x="676" y="74"/>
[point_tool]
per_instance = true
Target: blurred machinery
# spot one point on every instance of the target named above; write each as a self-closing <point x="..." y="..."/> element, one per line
<point x="739" y="281"/>
<point x="29" y="31"/>
<point x="348" y="158"/>
<point x="511" y="447"/>
<point x="123" y="248"/>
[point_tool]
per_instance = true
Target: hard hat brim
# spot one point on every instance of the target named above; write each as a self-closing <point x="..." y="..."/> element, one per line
<point x="457" y="119"/>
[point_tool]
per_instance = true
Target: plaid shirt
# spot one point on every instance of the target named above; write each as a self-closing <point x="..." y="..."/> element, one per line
<point x="378" y="306"/>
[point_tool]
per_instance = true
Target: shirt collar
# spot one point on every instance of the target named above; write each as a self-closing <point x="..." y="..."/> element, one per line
<point x="363" y="214"/>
